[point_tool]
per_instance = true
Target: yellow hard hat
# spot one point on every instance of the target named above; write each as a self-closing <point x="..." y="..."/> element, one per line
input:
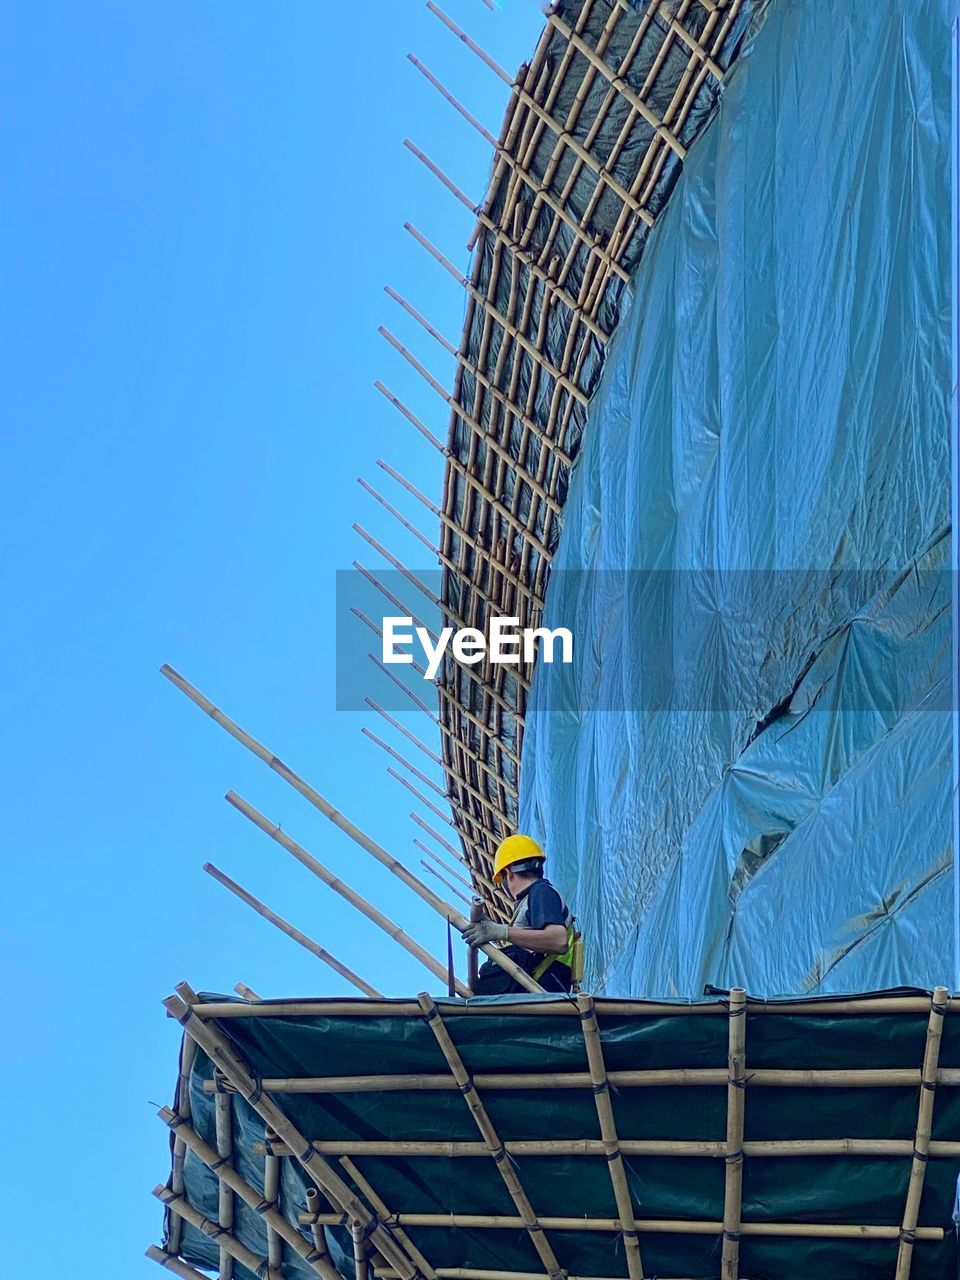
<point x="513" y="850"/>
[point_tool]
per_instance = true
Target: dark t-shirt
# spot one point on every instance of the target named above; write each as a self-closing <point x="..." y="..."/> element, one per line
<point x="544" y="905"/>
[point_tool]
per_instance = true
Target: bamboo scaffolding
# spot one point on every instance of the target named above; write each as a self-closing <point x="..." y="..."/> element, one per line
<point x="263" y="1205"/>
<point x="385" y="1214"/>
<point x="491" y="1139"/>
<point x="922" y="1144"/>
<point x="225" y="1240"/>
<point x="449" y="913"/>
<point x="372" y="913"/>
<point x="324" y="1177"/>
<point x="395" y="755"/>
<point x="610" y="1140"/>
<point x="285" y="927"/>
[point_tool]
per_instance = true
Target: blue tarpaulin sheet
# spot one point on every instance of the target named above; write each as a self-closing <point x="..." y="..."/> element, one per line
<point x="745" y="776"/>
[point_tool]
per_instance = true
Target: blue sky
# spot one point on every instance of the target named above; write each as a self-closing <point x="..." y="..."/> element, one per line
<point x="202" y="204"/>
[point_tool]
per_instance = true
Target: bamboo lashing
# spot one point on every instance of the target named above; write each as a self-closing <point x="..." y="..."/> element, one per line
<point x="733" y="1152"/>
<point x="176" y="1266"/>
<point x="922" y="1144"/>
<point x="334" y="882"/>
<point x="449" y="913"/>
<point x="285" y="927"/>
<point x="385" y="1214"/>
<point x="238" y="1186"/>
<point x="491" y="1138"/>
<point x="608" y="1132"/>
<point x="225" y="1057"/>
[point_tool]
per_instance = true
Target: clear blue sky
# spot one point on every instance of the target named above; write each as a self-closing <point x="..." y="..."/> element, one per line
<point x="202" y="203"/>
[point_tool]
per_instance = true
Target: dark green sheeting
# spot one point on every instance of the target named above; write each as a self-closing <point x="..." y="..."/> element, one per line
<point x="849" y="1189"/>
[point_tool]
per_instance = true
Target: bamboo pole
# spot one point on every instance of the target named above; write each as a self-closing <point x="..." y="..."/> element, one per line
<point x="655" y="1226"/>
<point x="316" y="1228"/>
<point x="325" y="1178"/>
<point x="263" y="1205"/>
<point x="395" y="755"/>
<point x="401" y="728"/>
<point x="225" y="1240"/>
<point x="699" y="1077"/>
<point x="733" y="1154"/>
<point x="313" y="947"/>
<point x="608" y="1133"/>
<point x="386" y="1215"/>
<point x="271" y="1199"/>
<point x="174" y="1263"/>
<point x="372" y="913"/>
<point x="248" y="993"/>
<point x="361" y="1262"/>
<point x="921" y="1145"/>
<point x="450" y="870"/>
<point x="188" y="1052"/>
<point x="666" y="1148"/>
<point x="471" y="44"/>
<point x="443" y="880"/>
<point x="223" y="1129"/>
<point x="449" y="913"/>
<point x="447" y="182"/>
<point x="407" y="524"/>
<point x="563" y="1007"/>
<point x="491" y="1138"/>
<point x="458" y="106"/>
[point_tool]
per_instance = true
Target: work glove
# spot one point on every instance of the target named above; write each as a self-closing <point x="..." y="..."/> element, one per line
<point x="483" y="931"/>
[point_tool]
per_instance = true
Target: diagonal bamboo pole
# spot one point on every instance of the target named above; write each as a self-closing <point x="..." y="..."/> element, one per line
<point x="921" y="1145"/>
<point x="377" y="917"/>
<point x="313" y="947"/>
<point x="222" y="1054"/>
<point x="491" y="1138"/>
<point x="248" y="993"/>
<point x="443" y="880"/>
<point x="174" y="1264"/>
<point x="608" y="1133"/>
<point x="736" y="1086"/>
<point x="229" y="1177"/>
<point x="449" y="913"/>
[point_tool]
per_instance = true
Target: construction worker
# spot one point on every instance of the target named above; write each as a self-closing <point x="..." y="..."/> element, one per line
<point x="540" y="934"/>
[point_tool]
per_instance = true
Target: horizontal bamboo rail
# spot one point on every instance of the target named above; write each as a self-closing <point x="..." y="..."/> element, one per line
<point x="890" y="1078"/>
<point x="575" y="1147"/>
<point x="564" y="1008"/>
<point x="657" y="1226"/>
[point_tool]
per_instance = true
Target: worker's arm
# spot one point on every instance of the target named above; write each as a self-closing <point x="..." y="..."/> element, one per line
<point x="551" y="940"/>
